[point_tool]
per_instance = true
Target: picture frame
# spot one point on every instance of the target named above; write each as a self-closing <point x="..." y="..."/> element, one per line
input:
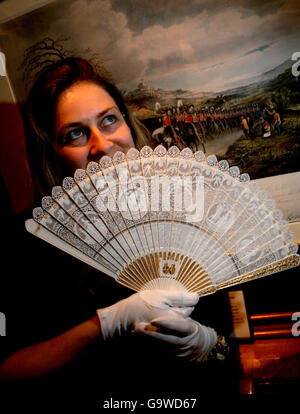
<point x="283" y="188"/>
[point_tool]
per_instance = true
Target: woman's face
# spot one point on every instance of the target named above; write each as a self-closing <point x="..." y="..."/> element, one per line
<point x="88" y="125"/>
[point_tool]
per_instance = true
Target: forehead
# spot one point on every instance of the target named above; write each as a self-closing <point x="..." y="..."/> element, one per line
<point x="82" y="102"/>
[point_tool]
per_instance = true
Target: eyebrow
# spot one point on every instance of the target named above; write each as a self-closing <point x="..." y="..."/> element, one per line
<point x="72" y="124"/>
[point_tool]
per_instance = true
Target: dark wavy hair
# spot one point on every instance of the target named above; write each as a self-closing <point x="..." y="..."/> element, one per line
<point x="47" y="168"/>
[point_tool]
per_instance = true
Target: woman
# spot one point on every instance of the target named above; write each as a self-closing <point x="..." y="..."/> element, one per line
<point x="42" y="118"/>
<point x="74" y="116"/>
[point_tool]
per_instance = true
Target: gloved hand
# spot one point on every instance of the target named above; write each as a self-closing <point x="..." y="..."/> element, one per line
<point x="186" y="338"/>
<point x="144" y="306"/>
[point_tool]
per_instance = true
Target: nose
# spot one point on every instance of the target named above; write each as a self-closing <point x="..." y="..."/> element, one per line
<point x="99" y="144"/>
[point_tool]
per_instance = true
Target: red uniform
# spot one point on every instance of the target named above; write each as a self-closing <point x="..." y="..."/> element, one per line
<point x="167" y="121"/>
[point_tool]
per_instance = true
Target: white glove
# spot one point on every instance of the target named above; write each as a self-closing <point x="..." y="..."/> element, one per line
<point x="144" y="306"/>
<point x="185" y="337"/>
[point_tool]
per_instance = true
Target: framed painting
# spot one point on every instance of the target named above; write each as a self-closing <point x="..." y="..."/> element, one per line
<point x="219" y="78"/>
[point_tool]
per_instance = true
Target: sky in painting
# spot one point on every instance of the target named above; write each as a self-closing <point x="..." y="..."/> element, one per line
<point x="198" y="45"/>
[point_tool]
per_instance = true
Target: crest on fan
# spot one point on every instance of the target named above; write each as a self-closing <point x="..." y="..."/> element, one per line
<point x="167" y="219"/>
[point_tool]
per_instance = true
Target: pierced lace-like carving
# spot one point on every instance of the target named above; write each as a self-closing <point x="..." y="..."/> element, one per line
<point x="57" y="192"/>
<point x="186" y="153"/>
<point x="173" y="152"/>
<point x="68" y="183"/>
<point x="160" y="151"/>
<point x="130" y="215"/>
<point x="119" y="157"/>
<point x="244" y="178"/>
<point x="105" y="162"/>
<point x="79" y="175"/>
<point x="199" y="156"/>
<point x="133" y="154"/>
<point x="92" y="168"/>
<point x="234" y="171"/>
<point x="212" y="160"/>
<point x="38" y="213"/>
<point x="47" y="202"/>
<point x="223" y="165"/>
<point x="146" y="152"/>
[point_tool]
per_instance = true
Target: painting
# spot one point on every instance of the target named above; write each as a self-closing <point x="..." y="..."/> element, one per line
<point x="220" y="77"/>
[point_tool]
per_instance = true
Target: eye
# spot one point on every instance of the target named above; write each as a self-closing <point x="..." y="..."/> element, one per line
<point x="75" y="137"/>
<point x="76" y="133"/>
<point x="108" y="120"/>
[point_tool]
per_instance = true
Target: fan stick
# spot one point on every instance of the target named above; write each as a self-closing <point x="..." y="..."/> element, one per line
<point x="44" y="234"/>
<point x="134" y="166"/>
<point x="93" y="178"/>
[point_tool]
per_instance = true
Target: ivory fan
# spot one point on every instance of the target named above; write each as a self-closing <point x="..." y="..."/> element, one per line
<point x="167" y="219"/>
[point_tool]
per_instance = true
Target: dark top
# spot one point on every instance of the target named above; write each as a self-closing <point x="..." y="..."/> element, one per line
<point x="45" y="292"/>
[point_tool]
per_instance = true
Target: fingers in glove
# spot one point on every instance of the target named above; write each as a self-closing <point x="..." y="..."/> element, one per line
<point x="174" y="326"/>
<point x="169" y="298"/>
<point x="180" y="298"/>
<point x="184" y="312"/>
<point x="145" y="329"/>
